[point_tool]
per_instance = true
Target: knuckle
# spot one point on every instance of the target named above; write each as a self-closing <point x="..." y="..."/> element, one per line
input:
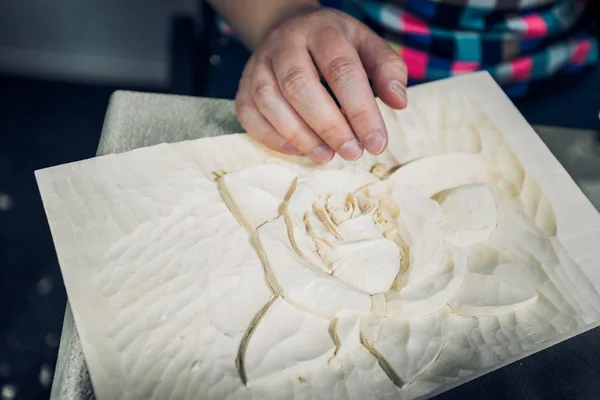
<point x="287" y="31"/>
<point x="261" y="89"/>
<point x="358" y="114"/>
<point x="294" y="82"/>
<point x="341" y="69"/>
<point x="394" y="60"/>
<point x="295" y="138"/>
<point x="262" y="92"/>
<point x="276" y="39"/>
<point x="331" y="132"/>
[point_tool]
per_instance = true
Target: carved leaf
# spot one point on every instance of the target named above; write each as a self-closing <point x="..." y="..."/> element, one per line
<point x="405" y="348"/>
<point x="419" y="224"/>
<point x="285" y="339"/>
<point x="482" y="258"/>
<point x="430" y="294"/>
<point x="255" y="194"/>
<point x="433" y="174"/>
<point x="470" y="212"/>
<point x="488" y="295"/>
<point x="360" y="367"/>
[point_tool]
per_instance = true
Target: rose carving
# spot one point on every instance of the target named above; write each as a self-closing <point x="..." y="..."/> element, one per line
<point x="366" y="261"/>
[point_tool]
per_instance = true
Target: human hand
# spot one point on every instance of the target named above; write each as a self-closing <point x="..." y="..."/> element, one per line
<point x="282" y="103"/>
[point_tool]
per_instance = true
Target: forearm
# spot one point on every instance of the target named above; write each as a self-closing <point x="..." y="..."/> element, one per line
<point x="252" y="20"/>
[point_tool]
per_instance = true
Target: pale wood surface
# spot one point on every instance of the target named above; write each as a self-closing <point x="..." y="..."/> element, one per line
<point x="140" y="119"/>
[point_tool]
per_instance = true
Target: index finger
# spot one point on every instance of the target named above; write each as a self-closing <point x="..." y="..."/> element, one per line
<point x="342" y="68"/>
<point x="299" y="83"/>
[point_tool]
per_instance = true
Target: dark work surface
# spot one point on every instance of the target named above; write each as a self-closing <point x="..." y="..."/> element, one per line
<point x="569" y="101"/>
<point x="41" y="124"/>
<point x="49" y="123"/>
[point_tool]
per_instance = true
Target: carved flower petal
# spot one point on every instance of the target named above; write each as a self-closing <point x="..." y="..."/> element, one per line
<point x="482" y="295"/>
<point x="320" y="211"/>
<point x="429" y="295"/>
<point x="255" y="194"/>
<point x="341" y="207"/>
<point x="286" y="339"/>
<point x="360" y="228"/>
<point x="433" y="174"/>
<point x="471" y="214"/>
<point x="321" y="237"/>
<point x="318" y="183"/>
<point x="315" y="228"/>
<point x="301" y="284"/>
<point x="369" y="265"/>
<point x="419" y="223"/>
<point x="302" y="243"/>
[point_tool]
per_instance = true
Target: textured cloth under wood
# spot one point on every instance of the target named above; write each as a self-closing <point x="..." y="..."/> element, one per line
<point x="519" y="42"/>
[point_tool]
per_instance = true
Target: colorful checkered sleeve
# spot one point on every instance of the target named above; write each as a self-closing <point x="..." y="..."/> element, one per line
<point x="518" y="41"/>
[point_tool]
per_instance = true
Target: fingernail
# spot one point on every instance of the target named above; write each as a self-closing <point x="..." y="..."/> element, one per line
<point x="351" y="150"/>
<point x="375" y="142"/>
<point x="289" y="148"/>
<point x="322" y="153"/>
<point x="399" y="89"/>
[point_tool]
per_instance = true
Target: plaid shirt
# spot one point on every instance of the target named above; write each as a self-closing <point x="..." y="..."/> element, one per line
<point x="519" y="42"/>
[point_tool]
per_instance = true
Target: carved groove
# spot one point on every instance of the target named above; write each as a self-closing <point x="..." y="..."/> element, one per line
<point x="334" y="337"/>
<point x="323" y="216"/>
<point x="382" y="172"/>
<point x="269" y="275"/>
<point x="233" y="207"/>
<point x="288" y="196"/>
<point x="400" y="279"/>
<point x="383" y="364"/>
<point x="218" y="174"/>
<point x="428" y="366"/>
<point x="239" y="361"/>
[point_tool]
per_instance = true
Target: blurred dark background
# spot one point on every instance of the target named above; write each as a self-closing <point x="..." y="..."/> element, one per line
<point x="59" y="63"/>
